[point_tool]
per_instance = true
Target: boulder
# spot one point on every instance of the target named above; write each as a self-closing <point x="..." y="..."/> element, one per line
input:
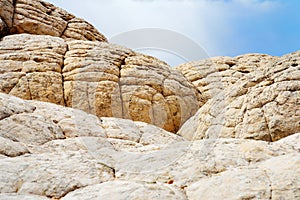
<point x="113" y="81"/>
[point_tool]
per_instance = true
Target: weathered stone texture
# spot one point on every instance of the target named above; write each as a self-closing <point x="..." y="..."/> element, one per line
<point x="70" y="154"/>
<point x="113" y="81"/>
<point x="30" y="67"/>
<point x="64" y="91"/>
<point x="42" y="18"/>
<point x="263" y="104"/>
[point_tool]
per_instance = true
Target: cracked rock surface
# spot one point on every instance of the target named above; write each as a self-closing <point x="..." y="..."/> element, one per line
<point x="100" y="78"/>
<point x="80" y="156"/>
<point x="81" y="118"/>
<point x="42" y="18"/>
<point x="50" y="55"/>
<point x="263" y="104"/>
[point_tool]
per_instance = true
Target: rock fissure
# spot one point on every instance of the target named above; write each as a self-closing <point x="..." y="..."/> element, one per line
<point x="270" y="185"/>
<point x="13" y="14"/>
<point x="29" y="87"/>
<point x="267" y="125"/>
<point x="63" y="32"/>
<point x="122" y="63"/>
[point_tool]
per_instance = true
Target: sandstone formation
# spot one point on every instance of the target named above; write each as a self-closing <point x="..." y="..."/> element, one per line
<point x="53" y="56"/>
<point x="110" y="80"/>
<point x="97" y="77"/>
<point x="252" y="96"/>
<point x="77" y="155"/>
<point x="81" y="118"/>
<point x="213" y="75"/>
<point x="41" y="18"/>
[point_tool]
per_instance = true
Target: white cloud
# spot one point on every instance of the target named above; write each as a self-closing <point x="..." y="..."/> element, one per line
<point x="213" y="24"/>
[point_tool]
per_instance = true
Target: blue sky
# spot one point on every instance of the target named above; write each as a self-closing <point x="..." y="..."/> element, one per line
<point x="221" y="27"/>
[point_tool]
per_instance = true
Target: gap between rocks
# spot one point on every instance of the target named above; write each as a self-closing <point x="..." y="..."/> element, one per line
<point x="123" y="63"/>
<point x="61" y="73"/>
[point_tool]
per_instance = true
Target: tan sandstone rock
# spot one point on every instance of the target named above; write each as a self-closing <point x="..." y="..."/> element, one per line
<point x="213" y="75"/>
<point x="39" y="17"/>
<point x="79" y="29"/>
<point x="31" y="67"/>
<point x="261" y="105"/>
<point x="42" y="18"/>
<point x="6" y="13"/>
<point x="113" y="81"/>
<point x="86" y="151"/>
<point x="100" y="78"/>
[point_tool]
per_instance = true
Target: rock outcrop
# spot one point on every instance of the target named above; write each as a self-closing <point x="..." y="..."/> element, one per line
<point x="250" y="96"/>
<point x="110" y="80"/>
<point x="41" y="18"/>
<point x="81" y="118"/>
<point x="100" y="78"/>
<point x="70" y="154"/>
<point x="53" y="56"/>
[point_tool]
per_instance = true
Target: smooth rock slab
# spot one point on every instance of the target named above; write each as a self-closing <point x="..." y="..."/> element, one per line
<point x="51" y="174"/>
<point x="9" y="196"/>
<point x="134" y="159"/>
<point x="11" y="148"/>
<point x="272" y="179"/>
<point x="30" y="129"/>
<point x="123" y="190"/>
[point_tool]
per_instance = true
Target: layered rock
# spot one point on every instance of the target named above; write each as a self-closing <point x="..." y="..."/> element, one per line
<point x="42" y="18"/>
<point x="31" y="67"/>
<point x="51" y="59"/>
<point x="110" y="80"/>
<point x="97" y="77"/>
<point x="261" y="104"/>
<point x="213" y="75"/>
<point x="109" y="157"/>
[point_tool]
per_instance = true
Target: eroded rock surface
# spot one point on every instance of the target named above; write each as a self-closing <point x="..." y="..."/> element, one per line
<point x="31" y="67"/>
<point x="64" y="137"/>
<point x="56" y="57"/>
<point x="127" y="190"/>
<point x="100" y="78"/>
<point x="263" y="104"/>
<point x="42" y="18"/>
<point x="99" y="156"/>
<point x="109" y="80"/>
<point x="213" y="75"/>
